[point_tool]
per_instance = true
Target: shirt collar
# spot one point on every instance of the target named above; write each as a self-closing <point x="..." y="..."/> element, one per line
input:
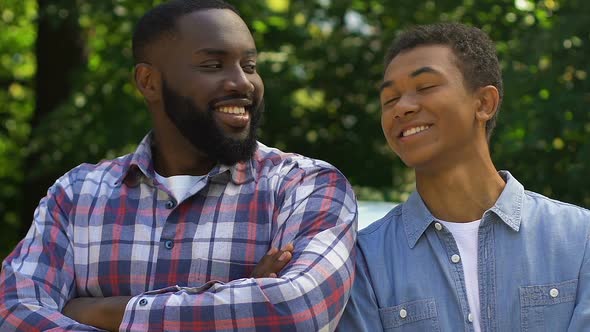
<point x="509" y="205"/>
<point x="141" y="165"/>
<point x="417" y="218"/>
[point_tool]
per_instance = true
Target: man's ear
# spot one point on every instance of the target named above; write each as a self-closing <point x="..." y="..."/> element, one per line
<point x="488" y="99"/>
<point x="149" y="81"/>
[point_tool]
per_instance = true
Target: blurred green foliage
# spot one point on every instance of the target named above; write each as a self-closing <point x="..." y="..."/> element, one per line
<point x="321" y="61"/>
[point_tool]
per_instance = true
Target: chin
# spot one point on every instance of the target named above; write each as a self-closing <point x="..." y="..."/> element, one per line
<point x="238" y="137"/>
<point x="415" y="161"/>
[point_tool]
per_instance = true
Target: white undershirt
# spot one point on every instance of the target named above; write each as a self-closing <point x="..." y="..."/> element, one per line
<point x="465" y="235"/>
<point x="179" y="185"/>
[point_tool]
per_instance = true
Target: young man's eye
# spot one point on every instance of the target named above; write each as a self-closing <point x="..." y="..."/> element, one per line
<point x="390" y="101"/>
<point x="426" y="87"/>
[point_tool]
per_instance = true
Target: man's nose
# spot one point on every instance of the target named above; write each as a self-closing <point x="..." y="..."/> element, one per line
<point x="237" y="81"/>
<point x="406" y="105"/>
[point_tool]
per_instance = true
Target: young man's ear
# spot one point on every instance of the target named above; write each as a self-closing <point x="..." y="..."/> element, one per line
<point x="488" y="100"/>
<point x="149" y="81"/>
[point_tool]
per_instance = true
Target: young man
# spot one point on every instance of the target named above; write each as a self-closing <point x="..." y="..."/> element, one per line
<point x="470" y="250"/>
<point x="166" y="238"/>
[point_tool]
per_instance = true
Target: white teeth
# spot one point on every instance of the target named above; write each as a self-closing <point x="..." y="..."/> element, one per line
<point x="414" y="130"/>
<point x="231" y="109"/>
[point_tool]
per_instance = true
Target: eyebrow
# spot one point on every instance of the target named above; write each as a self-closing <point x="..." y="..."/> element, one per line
<point x="417" y="72"/>
<point x="424" y="70"/>
<point x="215" y="51"/>
<point x="384" y="85"/>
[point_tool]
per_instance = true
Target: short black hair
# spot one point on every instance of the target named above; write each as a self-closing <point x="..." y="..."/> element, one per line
<point x="162" y="20"/>
<point x="474" y="50"/>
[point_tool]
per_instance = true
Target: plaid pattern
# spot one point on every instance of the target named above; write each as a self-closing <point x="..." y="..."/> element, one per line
<point x="111" y="229"/>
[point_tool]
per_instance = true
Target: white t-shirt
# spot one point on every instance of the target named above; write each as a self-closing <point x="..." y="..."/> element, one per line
<point x="465" y="235"/>
<point x="179" y="185"/>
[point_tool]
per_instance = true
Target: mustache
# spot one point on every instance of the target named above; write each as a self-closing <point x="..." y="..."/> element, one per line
<point x="249" y="96"/>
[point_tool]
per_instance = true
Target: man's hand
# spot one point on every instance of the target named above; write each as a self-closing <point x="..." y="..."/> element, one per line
<point x="102" y="312"/>
<point x="273" y="262"/>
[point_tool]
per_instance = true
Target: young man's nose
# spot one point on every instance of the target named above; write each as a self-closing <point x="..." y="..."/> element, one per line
<point x="406" y="105"/>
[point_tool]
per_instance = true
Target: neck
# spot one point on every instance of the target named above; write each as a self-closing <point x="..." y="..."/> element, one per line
<point x="461" y="192"/>
<point x="173" y="154"/>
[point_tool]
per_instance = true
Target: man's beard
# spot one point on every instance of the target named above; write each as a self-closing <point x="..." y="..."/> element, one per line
<point x="199" y="127"/>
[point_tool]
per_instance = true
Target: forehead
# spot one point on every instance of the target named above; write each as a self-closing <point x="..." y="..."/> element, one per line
<point x="440" y="57"/>
<point x="214" y="28"/>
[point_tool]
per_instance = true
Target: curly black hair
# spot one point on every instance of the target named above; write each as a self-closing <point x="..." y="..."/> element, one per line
<point x="162" y="20"/>
<point x="474" y="51"/>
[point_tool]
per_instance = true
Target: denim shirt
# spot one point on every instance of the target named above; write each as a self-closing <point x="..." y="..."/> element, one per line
<point x="533" y="269"/>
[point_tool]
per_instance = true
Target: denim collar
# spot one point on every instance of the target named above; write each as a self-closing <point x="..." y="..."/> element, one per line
<point x="508" y="208"/>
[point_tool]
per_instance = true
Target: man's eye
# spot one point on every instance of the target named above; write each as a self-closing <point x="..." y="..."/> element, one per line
<point x="210" y="66"/>
<point x="249" y="68"/>
<point x="391" y="101"/>
<point x="426" y="88"/>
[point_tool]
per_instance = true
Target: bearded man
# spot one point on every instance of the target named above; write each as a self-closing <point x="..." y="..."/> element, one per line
<point x="167" y="238"/>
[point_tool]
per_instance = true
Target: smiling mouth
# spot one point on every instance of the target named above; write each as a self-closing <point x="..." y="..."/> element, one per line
<point x="238" y="110"/>
<point x="414" y="130"/>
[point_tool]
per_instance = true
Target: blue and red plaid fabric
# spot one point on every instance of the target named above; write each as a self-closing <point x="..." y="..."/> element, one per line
<point x="111" y="229"/>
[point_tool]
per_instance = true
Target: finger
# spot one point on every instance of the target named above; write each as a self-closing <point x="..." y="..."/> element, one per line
<point x="284" y="257"/>
<point x="288" y="247"/>
<point x="264" y="266"/>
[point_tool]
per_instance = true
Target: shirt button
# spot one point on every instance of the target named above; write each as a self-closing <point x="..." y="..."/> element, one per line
<point x="455" y="258"/>
<point x="170" y="204"/>
<point x="554" y="292"/>
<point x="143" y="302"/>
<point x="470" y="318"/>
<point x="169" y="244"/>
<point x="403" y="313"/>
<point x="438" y="226"/>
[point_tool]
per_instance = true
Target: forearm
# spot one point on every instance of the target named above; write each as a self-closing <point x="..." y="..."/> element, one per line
<point x="30" y="308"/>
<point x="104" y="313"/>
<point x="309" y="296"/>
<point x="247" y="305"/>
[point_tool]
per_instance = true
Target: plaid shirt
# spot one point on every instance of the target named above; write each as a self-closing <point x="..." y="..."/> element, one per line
<point x="111" y="229"/>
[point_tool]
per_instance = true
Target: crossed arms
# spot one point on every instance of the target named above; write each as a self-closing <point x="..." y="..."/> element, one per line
<point x="38" y="279"/>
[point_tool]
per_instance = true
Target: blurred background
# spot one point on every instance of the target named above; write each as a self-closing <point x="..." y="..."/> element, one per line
<point x="67" y="97"/>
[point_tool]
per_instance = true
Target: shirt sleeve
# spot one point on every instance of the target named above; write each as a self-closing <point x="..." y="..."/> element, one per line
<point x="362" y="311"/>
<point x="37" y="277"/>
<point x="316" y="210"/>
<point x="581" y="317"/>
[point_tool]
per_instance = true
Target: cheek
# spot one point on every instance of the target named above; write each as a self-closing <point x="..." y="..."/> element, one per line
<point x="258" y="86"/>
<point x="202" y="87"/>
<point x="387" y="127"/>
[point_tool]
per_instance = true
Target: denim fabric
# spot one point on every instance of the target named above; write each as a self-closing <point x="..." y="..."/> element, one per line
<point x="533" y="269"/>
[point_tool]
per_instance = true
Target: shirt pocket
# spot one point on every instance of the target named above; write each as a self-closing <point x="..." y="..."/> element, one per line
<point x="420" y="315"/>
<point x="547" y="307"/>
